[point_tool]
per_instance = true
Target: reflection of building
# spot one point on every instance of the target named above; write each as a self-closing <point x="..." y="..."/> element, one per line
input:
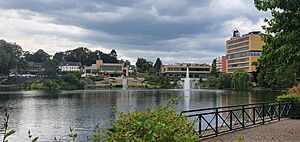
<point x="221" y="64"/>
<point x="242" y="51"/>
<point x="70" y="66"/>
<point x="179" y="70"/>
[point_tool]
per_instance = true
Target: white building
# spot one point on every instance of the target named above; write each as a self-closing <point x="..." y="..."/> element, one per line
<point x="70" y="66"/>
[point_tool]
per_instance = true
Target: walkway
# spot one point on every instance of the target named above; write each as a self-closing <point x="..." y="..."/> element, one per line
<point x="286" y="130"/>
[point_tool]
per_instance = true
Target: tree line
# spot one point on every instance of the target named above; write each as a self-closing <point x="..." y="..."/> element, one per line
<point x="13" y="57"/>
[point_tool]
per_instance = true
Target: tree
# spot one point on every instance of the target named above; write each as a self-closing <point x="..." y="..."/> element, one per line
<point x="40" y="56"/>
<point x="113" y="54"/>
<point x="51" y="69"/>
<point x="126" y="63"/>
<point x="240" y="81"/>
<point x="224" y="81"/>
<point x="10" y="57"/>
<point x="139" y="64"/>
<point x="157" y="65"/>
<point x="144" y="66"/>
<point x="59" y="56"/>
<point x="214" y="68"/>
<point x="280" y="61"/>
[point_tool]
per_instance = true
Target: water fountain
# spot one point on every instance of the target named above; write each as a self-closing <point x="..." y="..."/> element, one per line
<point x="124" y="82"/>
<point x="186" y="99"/>
<point x="187" y="80"/>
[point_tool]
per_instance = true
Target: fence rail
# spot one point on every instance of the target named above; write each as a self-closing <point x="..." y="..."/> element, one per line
<point x="210" y="122"/>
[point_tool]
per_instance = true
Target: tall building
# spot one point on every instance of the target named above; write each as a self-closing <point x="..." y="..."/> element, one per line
<point x="221" y="64"/>
<point x="242" y="51"/>
<point x="179" y="70"/>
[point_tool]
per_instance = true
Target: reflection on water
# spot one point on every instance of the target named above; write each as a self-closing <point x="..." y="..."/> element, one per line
<point x="49" y="114"/>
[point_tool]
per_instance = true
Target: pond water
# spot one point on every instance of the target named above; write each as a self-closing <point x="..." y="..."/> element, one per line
<point x="50" y="114"/>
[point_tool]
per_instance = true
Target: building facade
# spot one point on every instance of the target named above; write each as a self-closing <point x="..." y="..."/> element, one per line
<point x="70" y="67"/>
<point x="221" y="64"/>
<point x="179" y="70"/>
<point x="242" y="51"/>
<point x="111" y="68"/>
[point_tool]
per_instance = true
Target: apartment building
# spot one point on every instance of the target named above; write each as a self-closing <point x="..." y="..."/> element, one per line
<point x="242" y="51"/>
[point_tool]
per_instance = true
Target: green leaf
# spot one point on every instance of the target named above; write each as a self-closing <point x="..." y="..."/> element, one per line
<point x="35" y="139"/>
<point x="8" y="134"/>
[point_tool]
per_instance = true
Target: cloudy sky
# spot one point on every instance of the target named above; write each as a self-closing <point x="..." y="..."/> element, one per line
<point x="174" y="30"/>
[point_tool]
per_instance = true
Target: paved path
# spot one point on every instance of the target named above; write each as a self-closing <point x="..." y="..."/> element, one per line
<point x="286" y="130"/>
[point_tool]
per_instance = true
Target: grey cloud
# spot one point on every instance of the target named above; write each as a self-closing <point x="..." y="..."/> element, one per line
<point x="140" y="27"/>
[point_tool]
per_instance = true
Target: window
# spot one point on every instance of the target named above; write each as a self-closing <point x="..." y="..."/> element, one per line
<point x="238" y="60"/>
<point x="238" y="45"/>
<point x="111" y="68"/>
<point x="239" y="49"/>
<point x="238" y="40"/>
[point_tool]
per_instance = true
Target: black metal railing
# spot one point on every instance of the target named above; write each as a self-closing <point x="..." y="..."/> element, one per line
<point x="211" y="122"/>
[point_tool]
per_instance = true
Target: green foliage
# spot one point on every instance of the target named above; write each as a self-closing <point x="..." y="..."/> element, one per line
<point x="160" y="125"/>
<point x="240" y="81"/>
<point x="214" y="68"/>
<point x="39" y="56"/>
<point x="9" y="133"/>
<point x="144" y="66"/>
<point x="162" y="81"/>
<point x="44" y="85"/>
<point x="225" y="80"/>
<point x="157" y="66"/>
<point x="10" y="57"/>
<point x="51" y="69"/>
<point x="212" y="82"/>
<point x="280" y="61"/>
<point x="293" y="94"/>
<point x="96" y="78"/>
<point x="6" y="133"/>
<point x="86" y="56"/>
<point x="30" y="137"/>
<point x="240" y="139"/>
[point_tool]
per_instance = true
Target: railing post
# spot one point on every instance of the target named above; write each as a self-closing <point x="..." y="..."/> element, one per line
<point x="200" y="116"/>
<point x="217" y="111"/>
<point x="272" y="112"/>
<point x="263" y="113"/>
<point x="230" y="119"/>
<point x="243" y="115"/>
<point x="279" y="110"/>
<point x="253" y="116"/>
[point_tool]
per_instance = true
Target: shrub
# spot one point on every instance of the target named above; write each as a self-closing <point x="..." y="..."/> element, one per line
<point x="212" y="82"/>
<point x="160" y="125"/>
<point x="71" y="82"/>
<point x="96" y="78"/>
<point x="293" y="94"/>
<point x="224" y="81"/>
<point x="44" y="85"/>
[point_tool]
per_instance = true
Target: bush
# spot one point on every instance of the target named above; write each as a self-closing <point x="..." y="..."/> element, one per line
<point x="225" y="81"/>
<point x="162" y="82"/>
<point x="293" y="94"/>
<point x="71" y="82"/>
<point x="212" y="82"/>
<point x="96" y="78"/>
<point x="160" y="125"/>
<point x="44" y="85"/>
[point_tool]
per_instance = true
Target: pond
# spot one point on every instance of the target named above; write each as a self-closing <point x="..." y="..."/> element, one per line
<point x="50" y="114"/>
